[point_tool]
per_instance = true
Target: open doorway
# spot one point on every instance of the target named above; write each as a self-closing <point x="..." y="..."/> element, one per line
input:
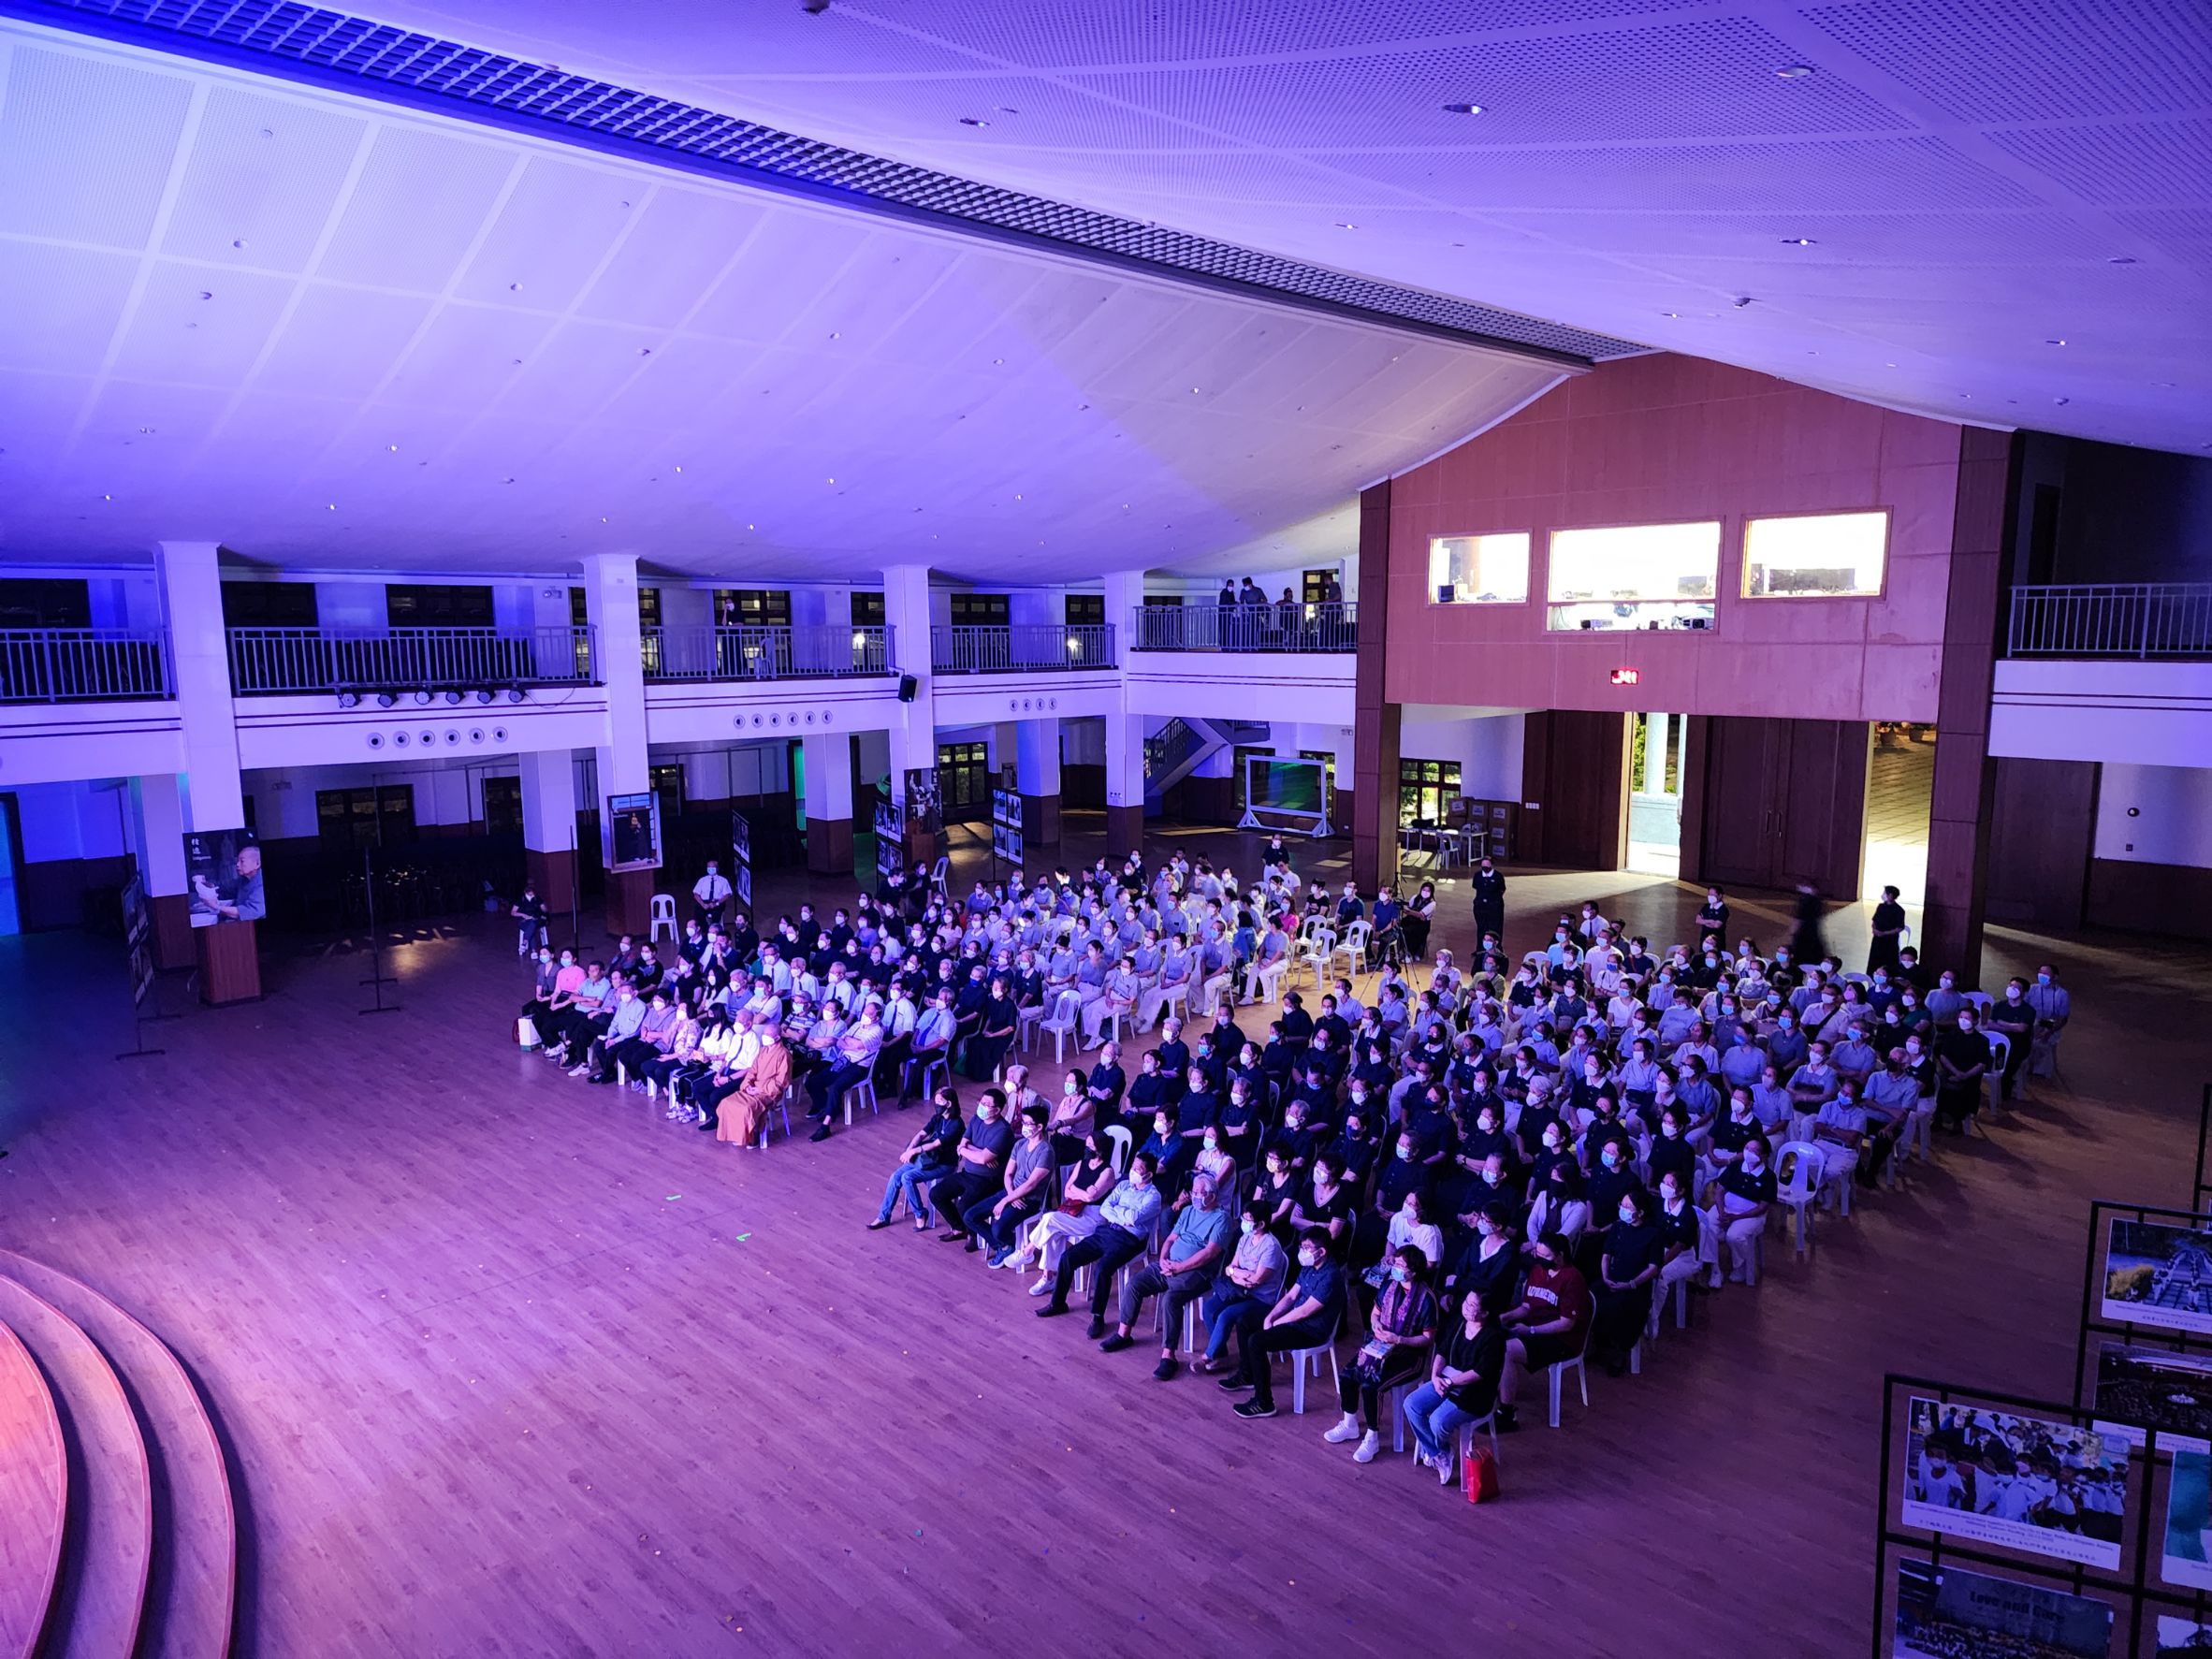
<point x="1900" y="786"/>
<point x="1655" y="793"/>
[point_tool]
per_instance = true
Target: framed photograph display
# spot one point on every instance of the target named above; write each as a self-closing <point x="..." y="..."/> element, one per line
<point x="630" y="832"/>
<point x="1954" y="1613"/>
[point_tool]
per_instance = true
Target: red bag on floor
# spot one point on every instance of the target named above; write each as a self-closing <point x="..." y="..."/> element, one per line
<point x="1479" y="1473"/>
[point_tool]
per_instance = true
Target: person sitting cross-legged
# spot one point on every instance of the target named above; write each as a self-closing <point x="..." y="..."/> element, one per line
<point x="929" y="1154"/>
<point x="1189" y="1261"/>
<point x="1126" y="1221"/>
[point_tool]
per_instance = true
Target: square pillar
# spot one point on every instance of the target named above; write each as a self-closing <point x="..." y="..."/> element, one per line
<point x="191" y="586"/>
<point x="549" y="827"/>
<point x="913" y="731"/>
<point x="1037" y="776"/>
<point x="610" y="602"/>
<point x="1376" y="717"/>
<point x="158" y="807"/>
<point x="1125" y="735"/>
<point x="829" y="804"/>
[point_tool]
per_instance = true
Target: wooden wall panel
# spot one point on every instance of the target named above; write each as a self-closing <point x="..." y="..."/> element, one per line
<point x="2174" y="900"/>
<point x="1575" y="766"/>
<point x="2043" y="827"/>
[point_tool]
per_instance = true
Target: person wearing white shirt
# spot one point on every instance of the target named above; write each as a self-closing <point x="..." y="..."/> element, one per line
<point x="710" y="893"/>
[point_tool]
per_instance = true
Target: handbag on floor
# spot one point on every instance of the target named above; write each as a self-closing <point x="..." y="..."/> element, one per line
<point x="1479" y="1475"/>
<point x="526" y="1032"/>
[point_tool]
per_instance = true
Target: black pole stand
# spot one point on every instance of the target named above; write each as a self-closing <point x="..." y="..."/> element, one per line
<point x="378" y="978"/>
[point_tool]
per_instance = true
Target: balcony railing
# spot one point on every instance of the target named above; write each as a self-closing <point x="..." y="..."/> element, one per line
<point x="808" y="652"/>
<point x="266" y="660"/>
<point x="2140" y="620"/>
<point x="1025" y="645"/>
<point x="1271" y="626"/>
<point x="75" y="665"/>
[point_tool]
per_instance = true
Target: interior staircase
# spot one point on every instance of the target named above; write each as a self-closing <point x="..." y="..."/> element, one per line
<point x="118" y="1538"/>
<point x="1185" y="742"/>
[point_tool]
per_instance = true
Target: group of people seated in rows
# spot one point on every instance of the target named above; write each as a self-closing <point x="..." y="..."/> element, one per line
<point x="1495" y="1171"/>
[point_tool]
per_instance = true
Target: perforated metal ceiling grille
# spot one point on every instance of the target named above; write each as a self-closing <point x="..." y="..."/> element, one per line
<point x="350" y="46"/>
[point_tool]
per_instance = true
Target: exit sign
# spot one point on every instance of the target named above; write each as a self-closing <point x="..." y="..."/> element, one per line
<point x="1626" y="677"/>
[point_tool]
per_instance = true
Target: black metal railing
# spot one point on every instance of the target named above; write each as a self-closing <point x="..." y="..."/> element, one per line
<point x="818" y="651"/>
<point x="1022" y="645"/>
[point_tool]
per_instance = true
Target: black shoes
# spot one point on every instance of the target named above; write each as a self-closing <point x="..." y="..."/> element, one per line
<point x="879" y="1224"/>
<point x="820" y="1134"/>
<point x="1052" y="1309"/>
<point x="1165" y="1371"/>
<point x="1115" y="1344"/>
<point x="1254" y="1408"/>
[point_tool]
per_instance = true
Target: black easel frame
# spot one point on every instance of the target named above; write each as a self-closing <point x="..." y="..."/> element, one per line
<point x="378" y="977"/>
<point x="2135" y="1333"/>
<point x="2204" y="1145"/>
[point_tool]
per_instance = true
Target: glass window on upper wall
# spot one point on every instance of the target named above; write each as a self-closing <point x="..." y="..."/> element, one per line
<point x="1479" y="570"/>
<point x="1634" y="577"/>
<point x="1815" y="555"/>
<point x="1084" y="610"/>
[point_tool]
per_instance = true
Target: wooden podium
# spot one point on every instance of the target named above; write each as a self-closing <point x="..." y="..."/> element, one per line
<point x="230" y="962"/>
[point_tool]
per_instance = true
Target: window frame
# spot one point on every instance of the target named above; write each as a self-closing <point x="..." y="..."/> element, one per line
<point x="1550" y="604"/>
<point x="1528" y="567"/>
<point x="1879" y="591"/>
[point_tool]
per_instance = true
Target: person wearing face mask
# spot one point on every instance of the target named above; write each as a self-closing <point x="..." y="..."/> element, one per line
<point x="1962" y="1057"/>
<point x="999" y="1217"/>
<point x="1489" y="886"/>
<point x="929" y="1154"/>
<point x="1247" y="1287"/>
<point x="2053" y="1008"/>
<point x="1561" y="1194"/>
<point x="1628" y="1268"/>
<point x="1076" y="1215"/>
<point x="1173" y="1156"/>
<point x="1712" y="920"/>
<point x="1685" y="1239"/>
<point x="1126" y="1222"/>
<point x="1274" y="1195"/>
<point x="1189" y="1259"/>
<point x="1327" y="1208"/>
<point x="1402" y="1334"/>
<point x="1889" y="932"/>
<point x="1549" y="1324"/>
<point x="1946" y="1000"/>
<point x="1462" y="1386"/>
<point x="1747" y="1192"/>
<point x="1489" y="1263"/>
<point x="1305" y="1315"/>
<point x="2012" y="1017"/>
<point x="1671" y="1151"/>
<point x="982" y="1155"/>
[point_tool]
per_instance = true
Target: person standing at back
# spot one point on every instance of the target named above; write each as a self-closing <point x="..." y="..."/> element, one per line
<point x="1488" y="883"/>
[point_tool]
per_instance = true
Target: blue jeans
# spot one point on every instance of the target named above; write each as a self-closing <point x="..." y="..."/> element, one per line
<point x="908" y="1180"/>
<point x="1224" y="1313"/>
<point x="1435" y="1420"/>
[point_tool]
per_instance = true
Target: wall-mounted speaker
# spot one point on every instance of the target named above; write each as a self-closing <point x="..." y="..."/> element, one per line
<point x="908" y="687"/>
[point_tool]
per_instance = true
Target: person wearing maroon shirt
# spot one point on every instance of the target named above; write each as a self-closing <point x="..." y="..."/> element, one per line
<point x="1550" y="1325"/>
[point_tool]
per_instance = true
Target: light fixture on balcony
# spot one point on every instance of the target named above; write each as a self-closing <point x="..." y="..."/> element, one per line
<point x="484" y="695"/>
<point x="516" y="694"/>
<point x="452" y="696"/>
<point x="422" y="696"/>
<point x="385" y="699"/>
<point x="349" y="699"/>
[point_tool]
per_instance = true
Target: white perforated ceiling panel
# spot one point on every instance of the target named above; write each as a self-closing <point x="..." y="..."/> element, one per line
<point x="333" y="334"/>
<point x="2041" y="166"/>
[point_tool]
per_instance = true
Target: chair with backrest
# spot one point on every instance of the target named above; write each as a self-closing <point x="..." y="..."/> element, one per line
<point x="1301" y="1358"/>
<point x="1122" y="1141"/>
<point x="1800" y="1169"/>
<point x="1579" y="1365"/>
<point x="663" y="916"/>
<point x="1353" y="947"/>
<point x="937" y="873"/>
<point x="1062" y="1023"/>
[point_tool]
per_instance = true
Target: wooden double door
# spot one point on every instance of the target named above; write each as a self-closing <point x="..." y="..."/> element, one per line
<point x="1770" y="803"/>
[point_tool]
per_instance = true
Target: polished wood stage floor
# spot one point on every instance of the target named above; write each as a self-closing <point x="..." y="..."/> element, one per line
<point x="509" y="1365"/>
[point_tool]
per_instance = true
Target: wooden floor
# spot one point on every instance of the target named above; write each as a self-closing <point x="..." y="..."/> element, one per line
<point x="509" y="1365"/>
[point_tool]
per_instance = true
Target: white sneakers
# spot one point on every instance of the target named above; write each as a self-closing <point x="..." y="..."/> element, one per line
<point x="1370" y="1443"/>
<point x="1041" y="1288"/>
<point x="1445" y="1474"/>
<point x="1347" y="1428"/>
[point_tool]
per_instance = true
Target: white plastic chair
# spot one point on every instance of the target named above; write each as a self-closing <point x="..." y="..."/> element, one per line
<point x="2001" y="1054"/>
<point x="663" y="916"/>
<point x="1579" y="1365"/>
<point x="1980" y="1001"/>
<point x="1062" y="1024"/>
<point x="1313" y="949"/>
<point x="1270" y="980"/>
<point x="1122" y="1141"/>
<point x="867" y="1086"/>
<point x="1301" y="1358"/>
<point x="938" y="874"/>
<point x="1353" y="947"/>
<point x="1803" y="1167"/>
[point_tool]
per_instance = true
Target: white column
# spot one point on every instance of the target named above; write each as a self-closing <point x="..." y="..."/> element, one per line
<point x="610" y="600"/>
<point x="1657" y="733"/>
<point x="1125" y="733"/>
<point x="548" y="799"/>
<point x="1037" y="757"/>
<point x="192" y="606"/>
<point x="913" y="730"/>
<point x="829" y="777"/>
<point x="159" y="811"/>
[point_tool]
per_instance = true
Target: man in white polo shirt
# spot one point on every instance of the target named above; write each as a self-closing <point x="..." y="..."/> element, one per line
<point x="710" y="893"/>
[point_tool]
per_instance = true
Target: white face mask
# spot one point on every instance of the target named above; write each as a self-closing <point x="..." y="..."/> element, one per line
<point x="1249" y="1226"/>
<point x="1307" y="1259"/>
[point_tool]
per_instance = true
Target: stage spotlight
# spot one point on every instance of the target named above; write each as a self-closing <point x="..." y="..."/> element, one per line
<point x="422" y="696"/>
<point x="349" y="699"/>
<point x="452" y="696"/>
<point x="483" y="695"/>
